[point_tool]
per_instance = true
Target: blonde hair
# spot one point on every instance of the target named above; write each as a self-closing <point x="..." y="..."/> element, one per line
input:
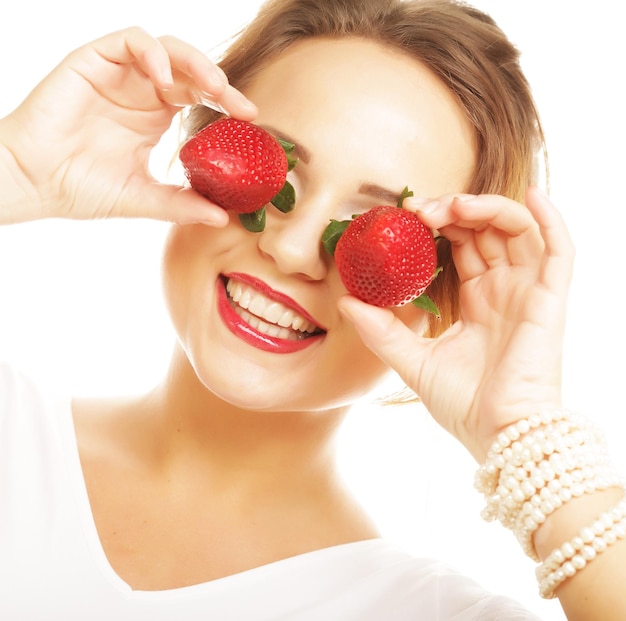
<point x="460" y="44"/>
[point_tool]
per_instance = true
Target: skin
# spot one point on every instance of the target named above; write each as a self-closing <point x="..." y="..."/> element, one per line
<point x="329" y="184"/>
<point x="213" y="458"/>
<point x="233" y="424"/>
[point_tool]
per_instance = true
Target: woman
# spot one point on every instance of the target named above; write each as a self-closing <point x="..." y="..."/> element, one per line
<point x="216" y="493"/>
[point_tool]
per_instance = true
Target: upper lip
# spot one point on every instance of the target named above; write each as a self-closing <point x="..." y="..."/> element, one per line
<point x="272" y="294"/>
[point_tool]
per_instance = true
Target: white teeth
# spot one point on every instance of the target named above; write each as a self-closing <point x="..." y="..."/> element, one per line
<point x="256" y="306"/>
<point x="297" y="323"/>
<point x="256" y="309"/>
<point x="273" y="312"/>
<point x="285" y="319"/>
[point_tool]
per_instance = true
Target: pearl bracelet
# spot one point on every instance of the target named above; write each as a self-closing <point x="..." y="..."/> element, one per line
<point x="574" y="555"/>
<point x="538" y="464"/>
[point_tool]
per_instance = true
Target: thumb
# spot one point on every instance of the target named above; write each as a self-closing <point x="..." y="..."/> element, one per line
<point x="387" y="336"/>
<point x="178" y="204"/>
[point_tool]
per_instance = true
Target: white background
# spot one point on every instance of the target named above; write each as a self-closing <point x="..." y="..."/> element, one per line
<point x="80" y="304"/>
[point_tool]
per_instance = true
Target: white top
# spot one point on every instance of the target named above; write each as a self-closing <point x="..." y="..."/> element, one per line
<point x="53" y="567"/>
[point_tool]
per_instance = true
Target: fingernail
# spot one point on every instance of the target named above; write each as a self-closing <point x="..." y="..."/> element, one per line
<point x="465" y="198"/>
<point x="425" y="205"/>
<point x="208" y="101"/>
<point x="217" y="218"/>
<point x="167" y="80"/>
<point x="244" y="101"/>
<point x="216" y="223"/>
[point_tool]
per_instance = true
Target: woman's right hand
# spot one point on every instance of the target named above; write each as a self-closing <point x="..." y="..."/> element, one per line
<point x="79" y="145"/>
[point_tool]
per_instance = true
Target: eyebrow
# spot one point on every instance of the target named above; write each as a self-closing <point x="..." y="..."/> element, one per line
<point x="369" y="189"/>
<point x="377" y="191"/>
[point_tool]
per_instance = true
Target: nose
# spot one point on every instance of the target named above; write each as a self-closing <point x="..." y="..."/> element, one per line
<point x="294" y="240"/>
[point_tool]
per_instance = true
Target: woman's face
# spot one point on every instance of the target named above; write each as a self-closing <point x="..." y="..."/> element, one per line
<point x="367" y="122"/>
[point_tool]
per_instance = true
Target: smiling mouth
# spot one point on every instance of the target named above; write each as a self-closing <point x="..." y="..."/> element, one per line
<point x="268" y="316"/>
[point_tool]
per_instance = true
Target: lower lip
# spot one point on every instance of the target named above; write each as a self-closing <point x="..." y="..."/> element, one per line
<point x="253" y="337"/>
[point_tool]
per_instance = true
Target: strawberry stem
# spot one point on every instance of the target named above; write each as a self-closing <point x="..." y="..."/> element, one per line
<point x="424" y="303"/>
<point x="405" y="194"/>
<point x="332" y="233"/>
<point x="289" y="148"/>
<point x="285" y="200"/>
<point x="253" y="222"/>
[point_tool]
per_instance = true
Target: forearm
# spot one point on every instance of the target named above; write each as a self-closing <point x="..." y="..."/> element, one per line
<point x="595" y="592"/>
<point x="551" y="481"/>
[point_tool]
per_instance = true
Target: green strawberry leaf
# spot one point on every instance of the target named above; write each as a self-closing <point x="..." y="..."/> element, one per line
<point x="424" y="303"/>
<point x="253" y="222"/>
<point x="289" y="149"/>
<point x="405" y="194"/>
<point x="332" y="233"/>
<point x="285" y="200"/>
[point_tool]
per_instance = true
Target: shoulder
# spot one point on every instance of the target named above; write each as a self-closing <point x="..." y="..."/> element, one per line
<point x="19" y="392"/>
<point x="31" y="416"/>
<point x="397" y="585"/>
<point x="425" y="583"/>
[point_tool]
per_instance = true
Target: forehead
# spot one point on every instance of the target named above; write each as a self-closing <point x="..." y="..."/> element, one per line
<point x="361" y="95"/>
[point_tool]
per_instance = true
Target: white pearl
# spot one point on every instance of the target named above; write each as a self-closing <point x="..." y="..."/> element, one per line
<point x="538" y="516"/>
<point x="518" y="496"/>
<point x="568" y="569"/>
<point x="610" y="537"/>
<point x="599" y="545"/>
<point x="588" y="553"/>
<point x="568" y="550"/>
<point x="587" y="535"/>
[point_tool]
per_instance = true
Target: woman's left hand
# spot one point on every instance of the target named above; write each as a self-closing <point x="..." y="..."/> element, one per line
<point x="501" y="361"/>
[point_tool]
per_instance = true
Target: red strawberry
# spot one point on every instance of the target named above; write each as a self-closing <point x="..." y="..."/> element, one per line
<point x="385" y="257"/>
<point x="239" y="166"/>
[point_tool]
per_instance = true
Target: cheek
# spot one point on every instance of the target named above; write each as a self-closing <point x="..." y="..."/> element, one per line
<point x="186" y="270"/>
<point x="349" y="369"/>
<point x="173" y="275"/>
<point x="361" y="369"/>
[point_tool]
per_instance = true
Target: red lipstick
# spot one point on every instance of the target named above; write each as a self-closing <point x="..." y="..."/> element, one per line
<point x="252" y="336"/>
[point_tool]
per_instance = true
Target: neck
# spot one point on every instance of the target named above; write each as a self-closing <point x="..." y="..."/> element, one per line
<point x="190" y="425"/>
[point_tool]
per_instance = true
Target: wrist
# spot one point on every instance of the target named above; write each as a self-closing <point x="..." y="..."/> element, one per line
<point x="548" y="479"/>
<point x="567" y="521"/>
<point x="576" y="535"/>
<point x="19" y="200"/>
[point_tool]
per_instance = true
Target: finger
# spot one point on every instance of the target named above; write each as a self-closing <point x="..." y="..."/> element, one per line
<point x="486" y="231"/>
<point x="468" y="260"/>
<point x="198" y="80"/>
<point x="475" y="212"/>
<point x="386" y="335"/>
<point x="172" y="203"/>
<point x="135" y="45"/>
<point x="231" y="102"/>
<point x="191" y="62"/>
<point x="559" y="253"/>
<point x="511" y="237"/>
<point x="493" y="246"/>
